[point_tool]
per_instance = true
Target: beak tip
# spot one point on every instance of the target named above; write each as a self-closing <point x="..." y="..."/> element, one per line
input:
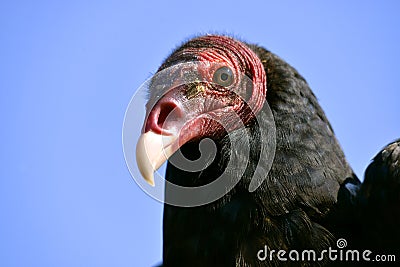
<point x="150" y="180"/>
<point x="151" y="152"/>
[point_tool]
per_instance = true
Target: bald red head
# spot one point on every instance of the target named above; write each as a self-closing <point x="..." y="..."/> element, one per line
<point x="209" y="86"/>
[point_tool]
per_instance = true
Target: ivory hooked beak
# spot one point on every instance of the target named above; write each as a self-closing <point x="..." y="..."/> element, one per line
<point x="152" y="150"/>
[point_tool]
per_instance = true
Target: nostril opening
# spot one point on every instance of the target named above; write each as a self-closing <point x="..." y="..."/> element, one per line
<point x="165" y="110"/>
<point x="163" y="118"/>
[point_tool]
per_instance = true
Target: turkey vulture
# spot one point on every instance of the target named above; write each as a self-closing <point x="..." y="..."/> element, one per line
<point x="305" y="198"/>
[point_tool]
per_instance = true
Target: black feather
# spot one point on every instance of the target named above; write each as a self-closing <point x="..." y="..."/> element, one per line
<point x="310" y="196"/>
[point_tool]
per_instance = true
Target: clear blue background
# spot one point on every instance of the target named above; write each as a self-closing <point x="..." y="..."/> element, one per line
<point x="68" y="70"/>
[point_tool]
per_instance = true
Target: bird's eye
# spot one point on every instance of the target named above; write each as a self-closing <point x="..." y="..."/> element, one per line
<point x="223" y="76"/>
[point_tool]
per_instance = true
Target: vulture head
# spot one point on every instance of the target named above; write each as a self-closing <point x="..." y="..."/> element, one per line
<point x="216" y="85"/>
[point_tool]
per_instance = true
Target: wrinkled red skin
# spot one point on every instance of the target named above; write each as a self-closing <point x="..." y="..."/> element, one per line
<point x="198" y="117"/>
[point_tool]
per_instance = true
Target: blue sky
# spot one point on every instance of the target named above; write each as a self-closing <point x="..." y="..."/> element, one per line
<point x="68" y="70"/>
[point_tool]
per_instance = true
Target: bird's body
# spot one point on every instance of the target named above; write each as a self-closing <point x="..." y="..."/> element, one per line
<point x="309" y="197"/>
<point x="284" y="212"/>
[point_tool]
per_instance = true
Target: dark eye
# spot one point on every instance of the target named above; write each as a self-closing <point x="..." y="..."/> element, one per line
<point x="223" y="76"/>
